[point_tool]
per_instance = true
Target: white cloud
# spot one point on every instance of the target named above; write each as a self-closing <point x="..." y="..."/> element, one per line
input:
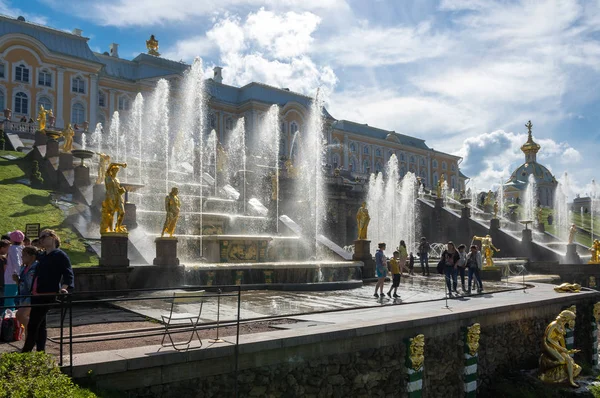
<point x="570" y="156"/>
<point x="152" y="12"/>
<point x="6" y="8"/>
<point x="191" y="47"/>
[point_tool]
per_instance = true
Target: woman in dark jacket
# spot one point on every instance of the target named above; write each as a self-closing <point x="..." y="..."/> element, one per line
<point x="53" y="276"/>
<point x="450" y="258"/>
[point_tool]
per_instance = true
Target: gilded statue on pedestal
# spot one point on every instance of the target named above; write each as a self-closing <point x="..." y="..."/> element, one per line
<point x="68" y="133"/>
<point x="172" y="206"/>
<point x="473" y="334"/>
<point x="102" y="166"/>
<point x="556" y="364"/>
<point x="440" y="186"/>
<point x="595" y="250"/>
<point x="41" y="119"/>
<point x="417" y="352"/>
<point x="221" y="158"/>
<point x="362" y="220"/>
<point x="152" y="46"/>
<point x="487" y="248"/>
<point x="114" y="202"/>
<point x="572" y="232"/>
<point x="496" y="209"/>
<point x="568" y="288"/>
<point x="489" y="198"/>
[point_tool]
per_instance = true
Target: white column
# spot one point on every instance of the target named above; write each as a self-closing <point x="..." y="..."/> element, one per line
<point x="111" y="107"/>
<point x="346" y="149"/>
<point x="60" y="98"/>
<point x="93" y="100"/>
<point x="428" y="179"/>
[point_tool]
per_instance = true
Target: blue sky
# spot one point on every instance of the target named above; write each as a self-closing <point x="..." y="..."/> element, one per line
<point x="466" y="75"/>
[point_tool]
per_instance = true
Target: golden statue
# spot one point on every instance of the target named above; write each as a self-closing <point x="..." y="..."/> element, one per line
<point x="362" y="220"/>
<point x="595" y="249"/>
<point x="172" y="206"/>
<point x="152" y="46"/>
<point x="41" y="119"/>
<point x="489" y="198"/>
<point x="114" y="202"/>
<point x="102" y="166"/>
<point x="568" y="288"/>
<point x="572" y="232"/>
<point x="290" y="169"/>
<point x="486" y="249"/>
<point x="417" y="352"/>
<point x="496" y="209"/>
<point x="274" y="186"/>
<point x="556" y="364"/>
<point x="336" y="172"/>
<point x="439" y="187"/>
<point x="473" y="334"/>
<point x="221" y="158"/>
<point x="68" y="133"/>
<point x="597" y="312"/>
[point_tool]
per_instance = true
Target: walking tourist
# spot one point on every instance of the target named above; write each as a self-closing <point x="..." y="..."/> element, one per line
<point x="25" y="282"/>
<point x="474" y="265"/>
<point x="424" y="255"/>
<point x="462" y="265"/>
<point x="411" y="264"/>
<point x="13" y="263"/>
<point x="53" y="266"/>
<point x="403" y="255"/>
<point x="380" y="269"/>
<point x="450" y="259"/>
<point x="396" y="273"/>
<point x="4" y="245"/>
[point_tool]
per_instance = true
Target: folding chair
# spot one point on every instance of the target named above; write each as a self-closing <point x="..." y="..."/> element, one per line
<point x="176" y="320"/>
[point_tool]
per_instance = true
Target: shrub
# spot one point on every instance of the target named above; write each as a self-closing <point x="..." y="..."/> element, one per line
<point x="36" y="375"/>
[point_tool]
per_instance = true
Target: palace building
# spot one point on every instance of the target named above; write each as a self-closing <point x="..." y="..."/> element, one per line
<point x="40" y="65"/>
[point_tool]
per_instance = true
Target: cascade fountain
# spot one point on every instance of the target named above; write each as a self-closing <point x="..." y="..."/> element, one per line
<point x="112" y="142"/>
<point x="268" y="147"/>
<point x="393" y="207"/>
<point x="501" y="199"/>
<point x="561" y="208"/>
<point x="530" y="200"/>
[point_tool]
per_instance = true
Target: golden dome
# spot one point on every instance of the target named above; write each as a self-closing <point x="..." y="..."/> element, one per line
<point x="530" y="145"/>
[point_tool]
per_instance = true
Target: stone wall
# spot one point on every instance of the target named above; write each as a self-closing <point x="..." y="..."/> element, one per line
<point x="367" y="362"/>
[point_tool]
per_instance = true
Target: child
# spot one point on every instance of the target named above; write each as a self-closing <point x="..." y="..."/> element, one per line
<point x="411" y="264"/>
<point x="395" y="269"/>
<point x="25" y="283"/>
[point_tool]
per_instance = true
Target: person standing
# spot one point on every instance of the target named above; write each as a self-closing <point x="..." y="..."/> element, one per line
<point x="462" y="265"/>
<point x="424" y="255"/>
<point x="4" y="245"/>
<point x="52" y="267"/>
<point x="13" y="264"/>
<point x="411" y="264"/>
<point x="450" y="258"/>
<point x="396" y="274"/>
<point x="474" y="265"/>
<point x="403" y="255"/>
<point x="25" y="282"/>
<point x="380" y="269"/>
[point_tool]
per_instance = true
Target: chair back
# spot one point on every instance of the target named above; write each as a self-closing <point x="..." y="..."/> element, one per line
<point x="189" y="297"/>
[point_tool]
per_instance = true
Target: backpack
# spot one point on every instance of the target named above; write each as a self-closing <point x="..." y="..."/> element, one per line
<point x="10" y="329"/>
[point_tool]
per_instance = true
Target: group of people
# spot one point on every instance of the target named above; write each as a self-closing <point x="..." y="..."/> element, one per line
<point x="34" y="273"/>
<point x="454" y="261"/>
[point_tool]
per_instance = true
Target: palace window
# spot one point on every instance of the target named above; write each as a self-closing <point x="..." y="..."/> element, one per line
<point x="2" y="100"/>
<point x="353" y="164"/>
<point x="293" y="128"/>
<point x="444" y="166"/>
<point x="21" y="103"/>
<point x="352" y="147"/>
<point x="366" y="167"/>
<point x="365" y="150"/>
<point x="101" y="99"/>
<point x="412" y="159"/>
<point x="453" y="182"/>
<point x="212" y="120"/>
<point x="45" y="102"/>
<point x="78" y="85"/>
<point x="77" y="113"/>
<point x="434" y="164"/>
<point x="22" y="73"/>
<point x="45" y="78"/>
<point x="2" y="73"/>
<point x="123" y="103"/>
<point x="378" y="167"/>
<point x="453" y="167"/>
<point x="229" y="124"/>
<point x="435" y="178"/>
<point x="402" y="157"/>
<point x="378" y="152"/>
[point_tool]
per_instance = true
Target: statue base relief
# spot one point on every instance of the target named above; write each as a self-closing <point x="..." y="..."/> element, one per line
<point x="362" y="252"/>
<point x="166" y="252"/>
<point x="52" y="149"/>
<point x="113" y="252"/>
<point x="82" y="176"/>
<point x="572" y="257"/>
<point x="40" y="138"/>
<point x="65" y="161"/>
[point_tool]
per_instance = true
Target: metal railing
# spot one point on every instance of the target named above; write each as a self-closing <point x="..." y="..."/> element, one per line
<point x="66" y="302"/>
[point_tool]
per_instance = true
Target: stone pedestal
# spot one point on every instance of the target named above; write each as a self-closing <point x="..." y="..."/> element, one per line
<point x="65" y="161"/>
<point x="166" y="252"/>
<point x="492" y="273"/>
<point x="51" y="148"/>
<point x="362" y="252"/>
<point x="494" y="224"/>
<point x="114" y="250"/>
<point x="572" y="256"/>
<point x="40" y="138"/>
<point x="439" y="203"/>
<point x="527" y="236"/>
<point x="130" y="219"/>
<point x="99" y="192"/>
<point x="82" y="176"/>
<point x="465" y="212"/>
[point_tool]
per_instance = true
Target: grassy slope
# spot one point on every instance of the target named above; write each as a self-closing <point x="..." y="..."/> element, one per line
<point x="22" y="205"/>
